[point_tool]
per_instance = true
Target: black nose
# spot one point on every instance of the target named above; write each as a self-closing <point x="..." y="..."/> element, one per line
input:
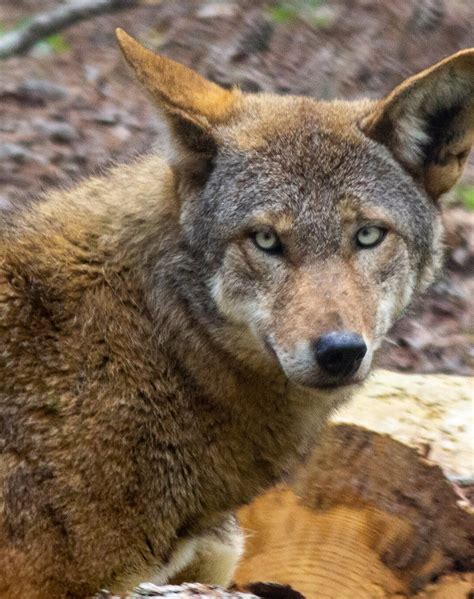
<point x="340" y="353"/>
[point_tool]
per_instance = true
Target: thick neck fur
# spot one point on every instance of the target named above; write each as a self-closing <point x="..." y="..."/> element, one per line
<point x="280" y="420"/>
<point x="127" y="238"/>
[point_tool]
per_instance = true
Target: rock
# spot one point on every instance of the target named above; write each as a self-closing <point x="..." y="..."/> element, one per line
<point x="92" y="73"/>
<point x="16" y="152"/>
<point x="213" y="10"/>
<point x="40" y="91"/>
<point x="9" y="126"/>
<point x="121" y="133"/>
<point x="58" y="131"/>
<point x="107" y="116"/>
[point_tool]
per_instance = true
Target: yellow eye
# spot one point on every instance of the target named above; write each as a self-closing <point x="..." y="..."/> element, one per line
<point x="267" y="240"/>
<point x="370" y="236"/>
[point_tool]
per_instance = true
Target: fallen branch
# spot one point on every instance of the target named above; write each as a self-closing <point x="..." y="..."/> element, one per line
<point x="255" y="590"/>
<point x="47" y="23"/>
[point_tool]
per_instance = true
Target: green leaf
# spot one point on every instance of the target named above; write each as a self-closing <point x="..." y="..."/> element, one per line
<point x="57" y="43"/>
<point x="283" y="13"/>
<point x="466" y="193"/>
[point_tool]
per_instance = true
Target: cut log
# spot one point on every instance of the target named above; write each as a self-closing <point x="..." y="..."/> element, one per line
<point x="367" y="518"/>
<point x="433" y="412"/>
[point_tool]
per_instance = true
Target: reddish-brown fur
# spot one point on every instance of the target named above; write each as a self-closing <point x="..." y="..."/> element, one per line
<point x="144" y="394"/>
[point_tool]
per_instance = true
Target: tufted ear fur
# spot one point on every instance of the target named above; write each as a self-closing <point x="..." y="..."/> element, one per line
<point x="191" y="105"/>
<point x="428" y="122"/>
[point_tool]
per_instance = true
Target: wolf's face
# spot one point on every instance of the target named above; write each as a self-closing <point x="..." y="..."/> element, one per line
<point x="311" y="224"/>
<point x="314" y="238"/>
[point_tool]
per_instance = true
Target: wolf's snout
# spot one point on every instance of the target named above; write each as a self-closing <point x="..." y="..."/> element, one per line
<point x="340" y="353"/>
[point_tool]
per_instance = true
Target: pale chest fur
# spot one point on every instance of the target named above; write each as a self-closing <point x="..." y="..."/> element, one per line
<point x="210" y="558"/>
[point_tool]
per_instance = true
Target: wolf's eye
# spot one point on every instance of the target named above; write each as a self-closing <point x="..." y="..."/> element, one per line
<point x="370" y="236"/>
<point x="267" y="240"/>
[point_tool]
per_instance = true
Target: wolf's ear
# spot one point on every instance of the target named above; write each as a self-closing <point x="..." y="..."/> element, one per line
<point x="192" y="106"/>
<point x="428" y="122"/>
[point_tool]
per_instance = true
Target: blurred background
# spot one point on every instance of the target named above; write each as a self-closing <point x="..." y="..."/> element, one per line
<point x="68" y="107"/>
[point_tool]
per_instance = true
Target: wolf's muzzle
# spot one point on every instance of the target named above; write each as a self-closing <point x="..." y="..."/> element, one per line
<point x="340" y="353"/>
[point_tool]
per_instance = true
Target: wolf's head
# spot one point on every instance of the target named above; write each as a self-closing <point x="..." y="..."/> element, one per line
<point x="313" y="224"/>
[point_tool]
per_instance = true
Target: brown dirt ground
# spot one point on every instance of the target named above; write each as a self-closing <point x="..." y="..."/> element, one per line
<point x="69" y="114"/>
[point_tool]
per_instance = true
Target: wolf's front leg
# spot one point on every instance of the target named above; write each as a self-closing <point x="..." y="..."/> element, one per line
<point x="215" y="556"/>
